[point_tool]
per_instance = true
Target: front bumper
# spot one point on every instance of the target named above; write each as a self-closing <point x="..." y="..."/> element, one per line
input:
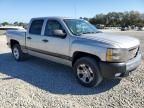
<point x="119" y="70"/>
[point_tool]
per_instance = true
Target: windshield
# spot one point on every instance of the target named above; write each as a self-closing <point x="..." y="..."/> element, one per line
<point x="78" y="26"/>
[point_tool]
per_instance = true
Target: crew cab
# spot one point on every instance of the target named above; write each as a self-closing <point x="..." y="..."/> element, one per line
<point x="93" y="55"/>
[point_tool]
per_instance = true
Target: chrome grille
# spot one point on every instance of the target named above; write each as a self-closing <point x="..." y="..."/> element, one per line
<point x="133" y="52"/>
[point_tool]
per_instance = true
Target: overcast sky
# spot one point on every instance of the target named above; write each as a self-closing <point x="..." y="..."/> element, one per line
<point x="23" y="10"/>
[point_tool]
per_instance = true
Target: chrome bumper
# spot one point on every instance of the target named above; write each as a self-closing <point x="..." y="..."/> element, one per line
<point x="134" y="63"/>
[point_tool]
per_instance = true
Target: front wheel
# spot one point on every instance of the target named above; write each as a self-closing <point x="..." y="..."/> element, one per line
<point x="17" y="52"/>
<point x="87" y="72"/>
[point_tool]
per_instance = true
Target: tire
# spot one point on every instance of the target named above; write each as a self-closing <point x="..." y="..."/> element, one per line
<point x="17" y="53"/>
<point x="87" y="72"/>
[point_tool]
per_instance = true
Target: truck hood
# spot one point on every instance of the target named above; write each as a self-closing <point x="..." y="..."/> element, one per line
<point x="115" y="40"/>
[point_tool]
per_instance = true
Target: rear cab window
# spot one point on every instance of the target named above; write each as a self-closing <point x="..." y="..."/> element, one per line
<point x="36" y="27"/>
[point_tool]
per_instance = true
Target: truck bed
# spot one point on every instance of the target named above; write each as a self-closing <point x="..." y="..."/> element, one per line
<point x="19" y="35"/>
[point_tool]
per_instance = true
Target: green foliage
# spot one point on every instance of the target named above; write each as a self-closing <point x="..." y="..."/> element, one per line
<point x="16" y="23"/>
<point x="19" y="24"/>
<point x="117" y="19"/>
<point x="5" y="23"/>
<point x="85" y="18"/>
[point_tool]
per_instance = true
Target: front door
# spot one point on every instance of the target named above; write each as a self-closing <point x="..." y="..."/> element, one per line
<point x="56" y="46"/>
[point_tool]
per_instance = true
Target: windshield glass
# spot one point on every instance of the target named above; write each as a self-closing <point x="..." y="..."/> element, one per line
<point x="78" y="26"/>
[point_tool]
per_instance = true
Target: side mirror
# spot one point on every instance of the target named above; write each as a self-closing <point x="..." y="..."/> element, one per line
<point x="59" y="33"/>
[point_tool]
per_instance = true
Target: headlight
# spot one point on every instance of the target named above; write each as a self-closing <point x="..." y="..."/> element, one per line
<point x="113" y="55"/>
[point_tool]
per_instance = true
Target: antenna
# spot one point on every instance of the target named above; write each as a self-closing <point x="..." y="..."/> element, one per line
<point x="75" y="9"/>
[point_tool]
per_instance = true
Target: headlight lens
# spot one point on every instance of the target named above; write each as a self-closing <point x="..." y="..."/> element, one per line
<point x="113" y="55"/>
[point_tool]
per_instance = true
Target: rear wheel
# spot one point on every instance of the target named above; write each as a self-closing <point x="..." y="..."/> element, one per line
<point x="17" y="52"/>
<point x="87" y="72"/>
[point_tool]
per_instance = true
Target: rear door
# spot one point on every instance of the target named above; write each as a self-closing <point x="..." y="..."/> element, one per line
<point x="34" y="38"/>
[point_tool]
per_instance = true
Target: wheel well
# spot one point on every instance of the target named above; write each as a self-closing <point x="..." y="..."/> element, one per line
<point x="13" y="42"/>
<point x="78" y="55"/>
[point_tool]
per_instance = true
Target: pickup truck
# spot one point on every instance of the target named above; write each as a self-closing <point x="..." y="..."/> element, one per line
<point x="93" y="55"/>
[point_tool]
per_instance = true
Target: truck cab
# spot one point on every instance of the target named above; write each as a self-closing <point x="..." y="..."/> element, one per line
<point x="93" y="55"/>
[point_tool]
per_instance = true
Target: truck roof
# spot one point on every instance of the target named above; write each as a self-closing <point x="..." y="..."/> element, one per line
<point x="53" y="17"/>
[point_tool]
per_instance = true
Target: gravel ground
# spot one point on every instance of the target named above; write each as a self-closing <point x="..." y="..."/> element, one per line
<point x="37" y="83"/>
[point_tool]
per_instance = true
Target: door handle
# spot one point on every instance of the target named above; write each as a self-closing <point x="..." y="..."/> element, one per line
<point x="29" y="38"/>
<point x="45" y="40"/>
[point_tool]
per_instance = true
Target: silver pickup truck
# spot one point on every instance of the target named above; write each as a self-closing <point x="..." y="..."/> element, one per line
<point x="75" y="42"/>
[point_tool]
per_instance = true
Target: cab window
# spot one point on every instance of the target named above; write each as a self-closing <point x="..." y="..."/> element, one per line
<point x="36" y="27"/>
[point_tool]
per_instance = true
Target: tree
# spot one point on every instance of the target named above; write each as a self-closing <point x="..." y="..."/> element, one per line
<point x="85" y="18"/>
<point x="16" y="23"/>
<point x="117" y="19"/>
<point x="21" y="24"/>
<point x="5" y="23"/>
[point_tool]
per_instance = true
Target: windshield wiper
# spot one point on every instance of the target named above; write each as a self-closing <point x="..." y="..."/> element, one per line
<point x="79" y="34"/>
<point x="91" y="32"/>
<point x="88" y="33"/>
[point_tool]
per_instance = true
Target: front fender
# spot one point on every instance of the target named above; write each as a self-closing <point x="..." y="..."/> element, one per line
<point x="89" y="47"/>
